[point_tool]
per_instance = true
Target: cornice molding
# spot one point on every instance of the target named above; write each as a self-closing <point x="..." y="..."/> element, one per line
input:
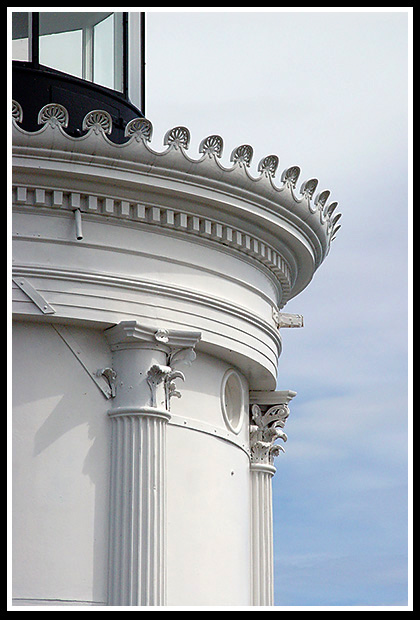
<point x="163" y="219"/>
<point x="307" y="213"/>
<point x="154" y="287"/>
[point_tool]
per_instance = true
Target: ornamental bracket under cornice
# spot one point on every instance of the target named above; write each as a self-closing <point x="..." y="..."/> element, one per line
<point x="285" y="319"/>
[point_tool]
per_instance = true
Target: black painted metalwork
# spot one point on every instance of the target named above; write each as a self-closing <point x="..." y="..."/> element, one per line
<point x="35" y="85"/>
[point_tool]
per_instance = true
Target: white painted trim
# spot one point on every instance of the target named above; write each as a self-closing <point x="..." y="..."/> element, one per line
<point x="235" y="429"/>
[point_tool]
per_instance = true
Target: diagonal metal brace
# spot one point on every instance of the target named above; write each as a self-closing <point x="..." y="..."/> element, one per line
<point x="103" y="378"/>
<point x="34" y="295"/>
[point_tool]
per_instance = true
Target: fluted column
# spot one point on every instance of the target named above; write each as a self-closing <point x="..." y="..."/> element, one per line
<point x="269" y="412"/>
<point x="144" y="383"/>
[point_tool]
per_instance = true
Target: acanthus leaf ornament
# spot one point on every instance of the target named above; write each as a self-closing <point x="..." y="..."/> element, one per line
<point x="158" y="374"/>
<point x="110" y="376"/>
<point x="155" y="375"/>
<point x="170" y="386"/>
<point x="265" y="429"/>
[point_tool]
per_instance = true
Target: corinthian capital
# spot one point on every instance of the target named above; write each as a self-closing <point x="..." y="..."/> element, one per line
<point x="269" y="412"/>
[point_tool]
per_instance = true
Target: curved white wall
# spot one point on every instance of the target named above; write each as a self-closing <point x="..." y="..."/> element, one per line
<point x="61" y="462"/>
<point x="60" y="468"/>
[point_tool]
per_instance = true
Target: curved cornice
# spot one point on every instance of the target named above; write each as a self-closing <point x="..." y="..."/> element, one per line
<point x="290" y="225"/>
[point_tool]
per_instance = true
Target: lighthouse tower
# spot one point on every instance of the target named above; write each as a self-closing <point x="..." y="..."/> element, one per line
<point x="149" y="289"/>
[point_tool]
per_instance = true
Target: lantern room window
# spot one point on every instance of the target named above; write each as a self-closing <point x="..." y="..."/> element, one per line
<point x="106" y="49"/>
<point x="86" y="45"/>
<point x="91" y="46"/>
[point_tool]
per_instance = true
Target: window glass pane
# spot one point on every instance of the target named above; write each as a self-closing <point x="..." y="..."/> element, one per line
<point x="60" y="42"/>
<point x="20" y="36"/>
<point x="62" y="51"/>
<point x="88" y="45"/>
<point x="103" y="52"/>
<point x="108" y="52"/>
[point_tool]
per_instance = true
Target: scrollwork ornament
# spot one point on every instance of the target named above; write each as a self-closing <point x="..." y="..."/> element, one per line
<point x="162" y="335"/>
<point x="185" y="356"/>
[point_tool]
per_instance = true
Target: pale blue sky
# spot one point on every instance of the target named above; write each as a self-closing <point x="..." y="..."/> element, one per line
<point x="328" y="91"/>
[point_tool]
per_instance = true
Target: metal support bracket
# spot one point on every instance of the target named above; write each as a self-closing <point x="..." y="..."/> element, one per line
<point x="34" y="295"/>
<point x="284" y="319"/>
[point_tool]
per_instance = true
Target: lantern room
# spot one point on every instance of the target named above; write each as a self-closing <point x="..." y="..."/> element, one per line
<point x="83" y="61"/>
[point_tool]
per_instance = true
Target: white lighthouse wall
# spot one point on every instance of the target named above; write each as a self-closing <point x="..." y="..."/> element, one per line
<point x="208" y="529"/>
<point x="208" y="521"/>
<point x="61" y="468"/>
<point x="61" y="452"/>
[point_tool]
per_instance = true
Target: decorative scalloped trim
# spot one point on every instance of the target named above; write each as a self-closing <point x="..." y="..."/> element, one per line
<point x="242" y="155"/>
<point x="141" y="128"/>
<point x="54" y="114"/>
<point x="268" y="165"/>
<point x="178" y="139"/>
<point x="17" y="112"/>
<point x="98" y="120"/>
<point x="211" y="146"/>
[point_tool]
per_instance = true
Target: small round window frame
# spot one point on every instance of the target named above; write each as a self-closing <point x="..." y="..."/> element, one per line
<point x="232" y="400"/>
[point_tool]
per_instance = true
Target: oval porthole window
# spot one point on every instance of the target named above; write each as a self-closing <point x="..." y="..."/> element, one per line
<point x="232" y="400"/>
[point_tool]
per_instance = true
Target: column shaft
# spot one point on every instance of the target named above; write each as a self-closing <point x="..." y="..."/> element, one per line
<point x="262" y="538"/>
<point x="137" y="567"/>
<point x="143" y="384"/>
<point x="268" y="414"/>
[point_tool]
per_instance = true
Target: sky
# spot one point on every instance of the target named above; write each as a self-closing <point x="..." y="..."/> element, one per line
<point x="330" y="91"/>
